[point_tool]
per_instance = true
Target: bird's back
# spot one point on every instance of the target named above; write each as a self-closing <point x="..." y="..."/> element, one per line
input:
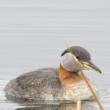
<point x="42" y="84"/>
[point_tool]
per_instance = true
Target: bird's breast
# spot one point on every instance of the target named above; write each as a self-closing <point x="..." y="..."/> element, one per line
<point x="74" y="87"/>
<point x="77" y="91"/>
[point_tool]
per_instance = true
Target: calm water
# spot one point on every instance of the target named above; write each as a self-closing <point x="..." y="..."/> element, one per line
<point x="33" y="35"/>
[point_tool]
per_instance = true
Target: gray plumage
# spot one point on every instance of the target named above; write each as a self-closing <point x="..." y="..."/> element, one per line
<point x="42" y="84"/>
<point x="80" y="53"/>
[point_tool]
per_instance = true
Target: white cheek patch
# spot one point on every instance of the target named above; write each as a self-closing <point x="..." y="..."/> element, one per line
<point x="68" y="63"/>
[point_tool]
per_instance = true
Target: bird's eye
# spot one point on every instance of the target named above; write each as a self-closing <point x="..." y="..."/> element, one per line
<point x="77" y="57"/>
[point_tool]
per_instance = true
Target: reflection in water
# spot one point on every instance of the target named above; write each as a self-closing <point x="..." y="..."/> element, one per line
<point x="59" y="107"/>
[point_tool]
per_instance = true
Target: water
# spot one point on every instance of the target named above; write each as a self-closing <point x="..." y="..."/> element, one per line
<point x="33" y="35"/>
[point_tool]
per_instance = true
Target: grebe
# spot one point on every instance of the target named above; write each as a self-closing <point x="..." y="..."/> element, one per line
<point x="54" y="84"/>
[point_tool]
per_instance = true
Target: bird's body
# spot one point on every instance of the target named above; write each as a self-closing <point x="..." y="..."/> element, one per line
<point x="42" y="84"/>
<point x="51" y="84"/>
<point x="45" y="85"/>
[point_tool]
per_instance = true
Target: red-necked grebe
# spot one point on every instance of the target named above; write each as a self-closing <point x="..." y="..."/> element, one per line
<point x="51" y="84"/>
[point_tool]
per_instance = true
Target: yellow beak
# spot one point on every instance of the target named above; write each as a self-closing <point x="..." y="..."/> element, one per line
<point x="91" y="66"/>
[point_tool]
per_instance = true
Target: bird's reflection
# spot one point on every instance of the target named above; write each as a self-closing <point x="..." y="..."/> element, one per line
<point x="59" y="107"/>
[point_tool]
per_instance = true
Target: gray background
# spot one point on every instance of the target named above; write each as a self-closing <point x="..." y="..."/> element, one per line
<point x="33" y="34"/>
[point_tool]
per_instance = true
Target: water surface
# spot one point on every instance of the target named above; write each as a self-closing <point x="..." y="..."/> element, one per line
<point x="33" y="35"/>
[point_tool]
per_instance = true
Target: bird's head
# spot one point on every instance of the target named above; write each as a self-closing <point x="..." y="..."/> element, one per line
<point x="82" y="55"/>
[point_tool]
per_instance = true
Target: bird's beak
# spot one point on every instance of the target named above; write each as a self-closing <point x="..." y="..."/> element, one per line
<point x="91" y="66"/>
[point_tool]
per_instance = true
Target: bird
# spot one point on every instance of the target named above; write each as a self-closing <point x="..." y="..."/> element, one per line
<point x="62" y="84"/>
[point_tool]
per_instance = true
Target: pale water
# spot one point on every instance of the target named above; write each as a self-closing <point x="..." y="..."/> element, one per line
<point x="33" y="33"/>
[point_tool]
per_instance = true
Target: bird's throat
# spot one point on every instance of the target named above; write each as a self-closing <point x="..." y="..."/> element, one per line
<point x="67" y="77"/>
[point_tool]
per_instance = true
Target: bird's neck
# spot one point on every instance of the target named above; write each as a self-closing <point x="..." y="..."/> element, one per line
<point x="67" y="77"/>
